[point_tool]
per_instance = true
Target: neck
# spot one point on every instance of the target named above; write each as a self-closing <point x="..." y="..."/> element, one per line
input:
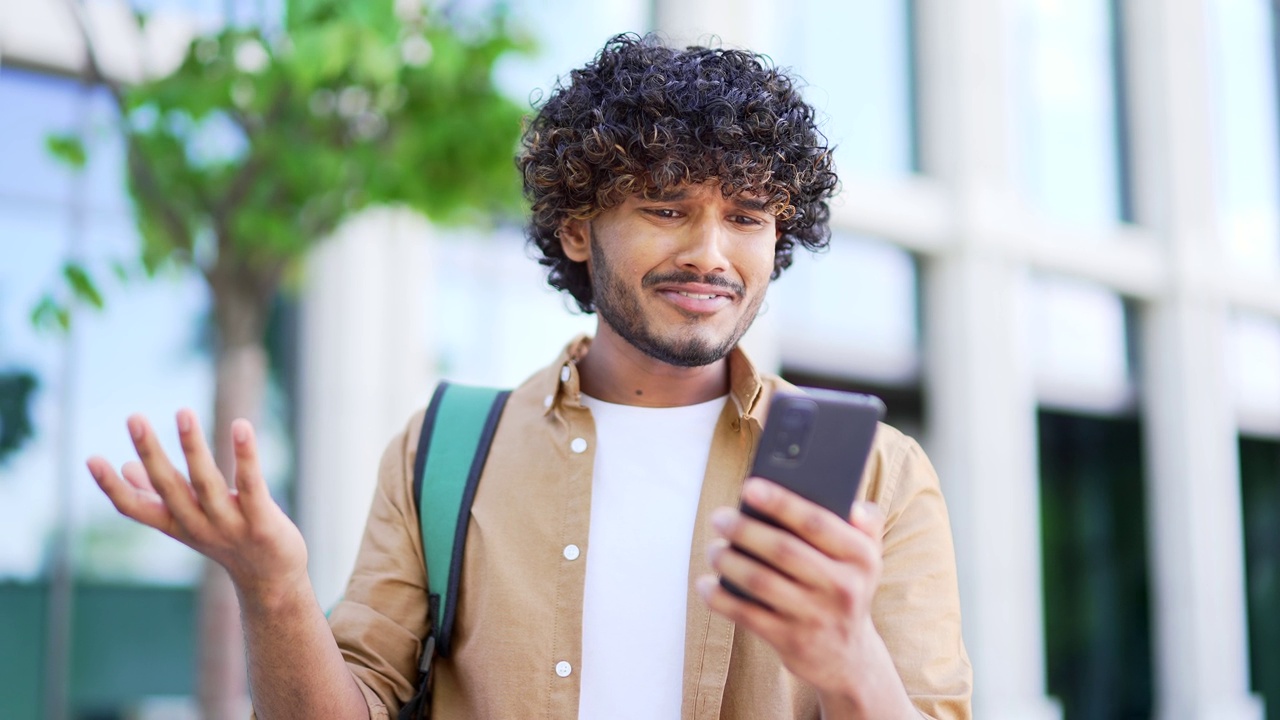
<point x="616" y="372"/>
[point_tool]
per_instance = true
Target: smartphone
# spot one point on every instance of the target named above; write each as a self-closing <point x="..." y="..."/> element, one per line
<point x="815" y="444"/>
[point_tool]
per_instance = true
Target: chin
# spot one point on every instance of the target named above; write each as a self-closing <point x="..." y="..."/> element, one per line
<point x="688" y="351"/>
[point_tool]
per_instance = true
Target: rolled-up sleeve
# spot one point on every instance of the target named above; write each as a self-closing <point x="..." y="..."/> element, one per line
<point x="917" y="607"/>
<point x="382" y="617"/>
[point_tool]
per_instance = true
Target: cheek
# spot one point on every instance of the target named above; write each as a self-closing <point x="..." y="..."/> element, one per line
<point x="758" y="265"/>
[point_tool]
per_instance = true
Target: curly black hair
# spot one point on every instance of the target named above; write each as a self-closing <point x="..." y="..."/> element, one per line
<point x="643" y="117"/>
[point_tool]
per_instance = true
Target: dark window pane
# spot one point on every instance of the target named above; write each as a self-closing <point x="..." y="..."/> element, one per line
<point x="1097" y="617"/>
<point x="1260" y="493"/>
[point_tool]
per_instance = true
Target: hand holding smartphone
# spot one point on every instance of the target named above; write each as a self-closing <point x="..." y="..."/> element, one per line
<point x="815" y="444"/>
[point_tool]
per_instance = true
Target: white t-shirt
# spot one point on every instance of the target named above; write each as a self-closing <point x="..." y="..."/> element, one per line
<point x="649" y="466"/>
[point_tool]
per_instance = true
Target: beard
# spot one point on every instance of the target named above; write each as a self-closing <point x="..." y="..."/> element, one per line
<point x="682" y="346"/>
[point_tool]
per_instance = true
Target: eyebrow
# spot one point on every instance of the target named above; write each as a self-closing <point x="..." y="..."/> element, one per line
<point x="746" y="203"/>
<point x="672" y="195"/>
<point x="750" y="203"/>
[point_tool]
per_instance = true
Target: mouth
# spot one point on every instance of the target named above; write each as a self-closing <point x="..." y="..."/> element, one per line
<point x="697" y="299"/>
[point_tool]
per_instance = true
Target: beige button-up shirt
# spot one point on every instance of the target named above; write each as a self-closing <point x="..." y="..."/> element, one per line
<point x="517" y="640"/>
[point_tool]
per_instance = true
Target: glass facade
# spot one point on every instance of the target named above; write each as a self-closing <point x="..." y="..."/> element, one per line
<point x="1260" y="480"/>
<point x="859" y="71"/>
<point x="1067" y="140"/>
<point x="1246" y="145"/>
<point x="851" y="311"/>
<point x="1096" y="588"/>
<point x="1080" y="340"/>
<point x="1254" y="355"/>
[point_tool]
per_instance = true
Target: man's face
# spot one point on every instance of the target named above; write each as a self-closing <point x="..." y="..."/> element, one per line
<point x="680" y="278"/>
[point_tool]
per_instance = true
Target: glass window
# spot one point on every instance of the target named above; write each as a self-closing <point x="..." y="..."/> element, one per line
<point x="1254" y="347"/>
<point x="1096" y="585"/>
<point x="852" y="311"/>
<point x="1243" y="76"/>
<point x="1260" y="494"/>
<point x="1067" y="148"/>
<point x="1079" y="334"/>
<point x="856" y="60"/>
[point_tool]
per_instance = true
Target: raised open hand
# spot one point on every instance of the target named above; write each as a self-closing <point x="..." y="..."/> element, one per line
<point x="240" y="528"/>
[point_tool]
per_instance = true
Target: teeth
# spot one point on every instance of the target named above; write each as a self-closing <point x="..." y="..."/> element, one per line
<point x="697" y="296"/>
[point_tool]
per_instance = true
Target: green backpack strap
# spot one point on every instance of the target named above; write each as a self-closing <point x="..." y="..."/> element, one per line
<point x="452" y="448"/>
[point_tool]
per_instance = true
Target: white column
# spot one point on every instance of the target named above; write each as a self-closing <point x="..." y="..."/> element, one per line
<point x="366" y="364"/>
<point x="1193" y="477"/>
<point x="981" y="410"/>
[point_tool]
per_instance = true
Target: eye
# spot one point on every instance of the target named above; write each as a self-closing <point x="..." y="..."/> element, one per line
<point x="664" y="213"/>
<point x="746" y="220"/>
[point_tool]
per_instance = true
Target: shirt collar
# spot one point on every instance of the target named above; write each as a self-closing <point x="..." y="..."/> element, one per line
<point x="562" y="381"/>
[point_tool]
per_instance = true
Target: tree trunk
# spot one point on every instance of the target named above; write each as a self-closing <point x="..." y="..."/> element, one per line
<point x="240" y="312"/>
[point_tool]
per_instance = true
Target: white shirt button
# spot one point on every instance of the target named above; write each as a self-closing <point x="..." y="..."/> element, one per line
<point x="546" y="401"/>
<point x="563" y="669"/>
<point x="571" y="552"/>
<point x="578" y="445"/>
<point x="564" y="374"/>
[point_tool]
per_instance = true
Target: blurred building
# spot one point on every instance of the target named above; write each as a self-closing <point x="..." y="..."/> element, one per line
<point x="1057" y="257"/>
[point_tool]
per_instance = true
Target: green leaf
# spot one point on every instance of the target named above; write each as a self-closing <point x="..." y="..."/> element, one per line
<point x="51" y="315"/>
<point x="82" y="285"/>
<point x="68" y="149"/>
<point x="120" y="270"/>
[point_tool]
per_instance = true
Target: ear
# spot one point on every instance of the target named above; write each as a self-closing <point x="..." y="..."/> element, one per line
<point x="575" y="239"/>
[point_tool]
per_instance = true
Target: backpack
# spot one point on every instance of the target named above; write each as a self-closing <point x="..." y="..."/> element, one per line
<point x="452" y="448"/>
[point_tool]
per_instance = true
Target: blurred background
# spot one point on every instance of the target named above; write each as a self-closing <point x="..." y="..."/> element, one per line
<point x="1056" y="256"/>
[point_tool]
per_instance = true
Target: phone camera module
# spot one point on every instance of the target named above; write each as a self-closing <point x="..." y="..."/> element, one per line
<point x="796" y="423"/>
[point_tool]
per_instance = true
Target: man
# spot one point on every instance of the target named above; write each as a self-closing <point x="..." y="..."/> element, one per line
<point x="667" y="189"/>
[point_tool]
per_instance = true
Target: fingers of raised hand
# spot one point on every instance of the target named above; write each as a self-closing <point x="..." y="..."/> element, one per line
<point x="135" y="498"/>
<point x="255" y="500"/>
<point x="167" y="481"/>
<point x="210" y="486"/>
<point x="136" y="475"/>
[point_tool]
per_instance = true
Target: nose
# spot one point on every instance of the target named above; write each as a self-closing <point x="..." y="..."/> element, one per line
<point x="702" y="249"/>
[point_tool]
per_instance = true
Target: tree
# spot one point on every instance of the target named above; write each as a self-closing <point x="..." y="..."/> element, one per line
<point x="259" y="145"/>
<point x="16" y="390"/>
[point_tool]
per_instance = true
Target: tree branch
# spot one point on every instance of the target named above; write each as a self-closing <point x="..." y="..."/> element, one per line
<point x="146" y="182"/>
<point x="248" y="172"/>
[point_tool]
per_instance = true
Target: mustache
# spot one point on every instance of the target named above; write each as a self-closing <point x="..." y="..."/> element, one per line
<point x="687" y="276"/>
